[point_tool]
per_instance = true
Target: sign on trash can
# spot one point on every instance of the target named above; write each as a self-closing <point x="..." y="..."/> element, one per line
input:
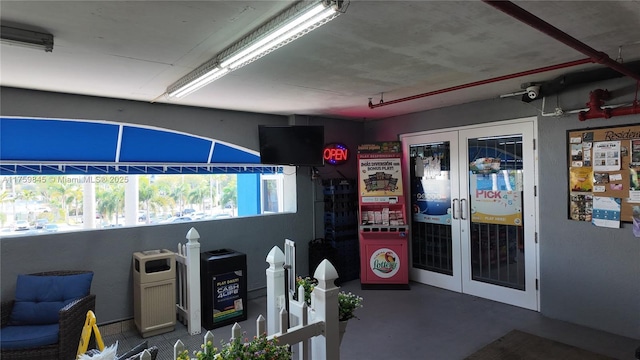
<point x="224" y="287"/>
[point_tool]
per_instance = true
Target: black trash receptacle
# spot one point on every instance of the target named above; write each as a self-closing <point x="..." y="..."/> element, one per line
<point x="223" y="277"/>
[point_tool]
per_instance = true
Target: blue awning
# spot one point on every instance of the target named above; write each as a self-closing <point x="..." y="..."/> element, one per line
<point x="57" y="147"/>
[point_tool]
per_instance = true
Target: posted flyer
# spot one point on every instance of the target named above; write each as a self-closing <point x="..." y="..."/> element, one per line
<point x="581" y="207"/>
<point x="581" y="179"/>
<point x="380" y="176"/>
<point x="492" y="206"/>
<point x="606" y="212"/>
<point x="606" y="156"/>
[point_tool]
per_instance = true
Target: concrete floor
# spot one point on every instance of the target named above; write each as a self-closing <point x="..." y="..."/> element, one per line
<point x="421" y="323"/>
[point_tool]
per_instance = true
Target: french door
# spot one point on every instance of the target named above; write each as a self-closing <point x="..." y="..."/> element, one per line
<point x="473" y="221"/>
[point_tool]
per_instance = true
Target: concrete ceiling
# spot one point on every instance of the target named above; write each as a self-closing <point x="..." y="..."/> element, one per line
<point x="135" y="49"/>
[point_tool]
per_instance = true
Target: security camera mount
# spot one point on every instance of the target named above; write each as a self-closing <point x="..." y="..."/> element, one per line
<point x="533" y="91"/>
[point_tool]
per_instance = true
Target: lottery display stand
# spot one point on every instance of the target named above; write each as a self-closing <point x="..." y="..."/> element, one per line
<point x="383" y="230"/>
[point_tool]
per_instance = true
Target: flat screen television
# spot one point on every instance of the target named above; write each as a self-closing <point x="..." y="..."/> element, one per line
<point x="297" y="145"/>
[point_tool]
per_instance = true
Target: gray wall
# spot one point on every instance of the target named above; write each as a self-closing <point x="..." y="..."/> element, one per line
<point x="109" y="252"/>
<point x="588" y="275"/>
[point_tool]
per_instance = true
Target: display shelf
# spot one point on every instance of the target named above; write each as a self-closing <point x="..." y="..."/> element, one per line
<point x="333" y="219"/>
<point x="341" y="232"/>
<point x="341" y="225"/>
<point x="339" y="186"/>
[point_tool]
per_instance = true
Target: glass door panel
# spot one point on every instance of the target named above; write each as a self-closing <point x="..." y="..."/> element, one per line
<point x="499" y="256"/>
<point x="431" y="191"/>
<point x="495" y="180"/>
<point x="435" y="240"/>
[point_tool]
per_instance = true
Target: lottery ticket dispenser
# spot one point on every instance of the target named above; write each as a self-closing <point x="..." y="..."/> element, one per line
<point x="383" y="229"/>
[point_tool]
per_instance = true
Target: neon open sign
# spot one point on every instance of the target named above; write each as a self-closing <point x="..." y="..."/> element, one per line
<point x="335" y="153"/>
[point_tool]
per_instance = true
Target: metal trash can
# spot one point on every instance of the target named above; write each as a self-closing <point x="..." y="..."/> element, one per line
<point x="154" y="291"/>
<point x="223" y="277"/>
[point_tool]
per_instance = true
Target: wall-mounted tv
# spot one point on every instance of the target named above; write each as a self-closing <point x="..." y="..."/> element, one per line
<point x="298" y="145"/>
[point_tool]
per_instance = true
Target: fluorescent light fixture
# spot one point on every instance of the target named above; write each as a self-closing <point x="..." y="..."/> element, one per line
<point x="289" y="25"/>
<point x="26" y="38"/>
<point x="203" y="78"/>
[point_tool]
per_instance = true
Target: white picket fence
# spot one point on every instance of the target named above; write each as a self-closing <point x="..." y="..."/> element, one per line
<point x="188" y="307"/>
<point x="313" y="332"/>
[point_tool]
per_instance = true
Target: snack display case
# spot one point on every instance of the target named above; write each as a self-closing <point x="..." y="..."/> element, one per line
<point x="383" y="229"/>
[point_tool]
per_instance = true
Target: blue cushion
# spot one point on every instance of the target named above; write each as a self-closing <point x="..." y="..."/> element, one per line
<point x="20" y="337"/>
<point x="38" y="299"/>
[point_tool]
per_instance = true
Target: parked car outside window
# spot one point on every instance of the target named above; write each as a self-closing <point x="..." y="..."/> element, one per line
<point x="41" y="223"/>
<point x="51" y="228"/>
<point x="22" y="225"/>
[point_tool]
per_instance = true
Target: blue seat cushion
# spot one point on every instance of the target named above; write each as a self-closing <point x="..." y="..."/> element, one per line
<point x="38" y="299"/>
<point x="28" y="336"/>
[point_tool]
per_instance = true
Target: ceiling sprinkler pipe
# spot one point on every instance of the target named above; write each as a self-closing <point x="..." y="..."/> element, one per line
<point x="484" y="82"/>
<point x="609" y="113"/>
<point x="526" y="17"/>
<point x="595" y="111"/>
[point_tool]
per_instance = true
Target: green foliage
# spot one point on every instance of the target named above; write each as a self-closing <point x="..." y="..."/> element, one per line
<point x="259" y="348"/>
<point x="208" y="352"/>
<point x="308" y="284"/>
<point x="348" y="303"/>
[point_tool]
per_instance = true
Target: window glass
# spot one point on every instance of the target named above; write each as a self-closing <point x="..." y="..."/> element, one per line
<point x="272" y="196"/>
<point x="46" y="204"/>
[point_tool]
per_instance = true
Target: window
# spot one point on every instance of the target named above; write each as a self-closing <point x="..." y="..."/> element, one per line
<point x="272" y="194"/>
<point x="50" y="203"/>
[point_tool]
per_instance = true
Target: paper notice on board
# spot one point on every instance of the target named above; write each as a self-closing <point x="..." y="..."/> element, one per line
<point x="606" y="212"/>
<point x="586" y="153"/>
<point x="635" y="152"/>
<point x="581" y="207"/>
<point x="606" y="156"/>
<point x="634" y="185"/>
<point x="636" y="221"/>
<point x="581" y="179"/>
<point x="576" y="152"/>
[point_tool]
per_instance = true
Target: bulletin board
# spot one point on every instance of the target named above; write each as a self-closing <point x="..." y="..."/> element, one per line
<point x="604" y="164"/>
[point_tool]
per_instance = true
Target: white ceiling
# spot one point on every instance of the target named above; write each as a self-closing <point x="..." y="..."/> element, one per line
<point x="135" y="49"/>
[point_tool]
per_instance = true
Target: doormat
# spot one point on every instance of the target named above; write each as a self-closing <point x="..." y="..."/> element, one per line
<point x="518" y="345"/>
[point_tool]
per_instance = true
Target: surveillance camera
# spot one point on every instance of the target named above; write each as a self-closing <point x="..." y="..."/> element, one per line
<point x="533" y="91"/>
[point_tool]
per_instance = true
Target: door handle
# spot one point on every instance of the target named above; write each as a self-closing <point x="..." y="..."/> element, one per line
<point x="453" y="208"/>
<point x="463" y="206"/>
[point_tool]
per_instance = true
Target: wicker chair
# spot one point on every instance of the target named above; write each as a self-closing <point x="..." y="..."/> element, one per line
<point x="72" y="319"/>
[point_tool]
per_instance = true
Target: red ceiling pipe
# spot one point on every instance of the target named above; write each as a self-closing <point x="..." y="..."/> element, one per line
<point x="526" y="17"/>
<point x="484" y="82"/>
<point x="597" y="99"/>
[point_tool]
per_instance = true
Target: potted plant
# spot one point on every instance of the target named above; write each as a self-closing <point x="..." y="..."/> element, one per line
<point x="348" y="302"/>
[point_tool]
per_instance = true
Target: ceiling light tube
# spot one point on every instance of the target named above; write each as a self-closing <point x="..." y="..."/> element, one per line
<point x="289" y="25"/>
<point x="26" y="38"/>
<point x="281" y="40"/>
<point x="280" y="34"/>
<point x="198" y="83"/>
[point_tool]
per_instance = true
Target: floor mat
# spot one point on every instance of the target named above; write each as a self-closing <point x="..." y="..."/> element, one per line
<point x="518" y="345"/>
